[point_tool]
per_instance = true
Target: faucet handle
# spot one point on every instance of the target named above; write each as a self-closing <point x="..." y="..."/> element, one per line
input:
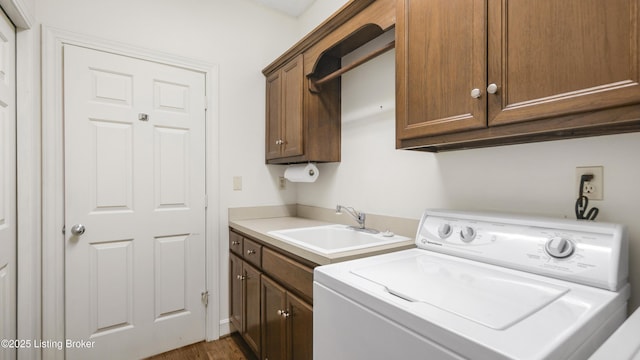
<point x="361" y="217"/>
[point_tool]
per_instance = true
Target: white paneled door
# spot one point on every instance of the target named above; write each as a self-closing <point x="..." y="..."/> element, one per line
<point x="135" y="202"/>
<point x="7" y="188"/>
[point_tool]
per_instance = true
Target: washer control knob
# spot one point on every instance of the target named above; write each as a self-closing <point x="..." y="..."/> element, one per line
<point x="559" y="247"/>
<point x="467" y="234"/>
<point x="444" y="231"/>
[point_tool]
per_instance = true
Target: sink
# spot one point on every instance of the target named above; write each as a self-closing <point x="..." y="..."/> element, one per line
<point x="335" y="238"/>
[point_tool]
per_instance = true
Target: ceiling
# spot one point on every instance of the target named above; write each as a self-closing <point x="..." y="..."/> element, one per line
<point x="290" y="7"/>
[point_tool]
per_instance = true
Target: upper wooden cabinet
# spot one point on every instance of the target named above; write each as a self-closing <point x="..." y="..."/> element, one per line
<point x="473" y="73"/>
<point x="441" y="56"/>
<point x="284" y="111"/>
<point x="301" y="126"/>
<point x="303" y="90"/>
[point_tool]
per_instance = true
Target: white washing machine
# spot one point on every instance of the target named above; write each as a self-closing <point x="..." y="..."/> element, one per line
<point x="478" y="286"/>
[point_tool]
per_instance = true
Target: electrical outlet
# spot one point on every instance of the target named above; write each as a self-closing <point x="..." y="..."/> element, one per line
<point x="592" y="189"/>
<point x="282" y="183"/>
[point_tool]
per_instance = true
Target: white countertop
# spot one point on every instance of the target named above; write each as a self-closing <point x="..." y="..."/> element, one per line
<point x="259" y="228"/>
<point x="624" y="344"/>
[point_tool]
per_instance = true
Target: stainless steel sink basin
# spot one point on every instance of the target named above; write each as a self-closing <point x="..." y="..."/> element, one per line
<point x="330" y="239"/>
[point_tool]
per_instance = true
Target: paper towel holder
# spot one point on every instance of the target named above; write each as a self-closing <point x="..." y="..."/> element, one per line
<point x="302" y="172"/>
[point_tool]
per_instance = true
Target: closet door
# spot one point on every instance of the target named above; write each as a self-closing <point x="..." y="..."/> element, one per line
<point x="134" y="205"/>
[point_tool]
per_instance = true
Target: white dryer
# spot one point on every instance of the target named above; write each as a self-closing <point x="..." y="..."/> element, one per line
<point x="478" y="286"/>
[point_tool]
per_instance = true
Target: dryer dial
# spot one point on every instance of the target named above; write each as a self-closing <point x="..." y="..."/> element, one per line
<point x="559" y="247"/>
<point x="467" y="234"/>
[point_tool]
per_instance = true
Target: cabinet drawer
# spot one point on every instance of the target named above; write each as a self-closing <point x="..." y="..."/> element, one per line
<point x="289" y="272"/>
<point x="235" y="243"/>
<point x="252" y="252"/>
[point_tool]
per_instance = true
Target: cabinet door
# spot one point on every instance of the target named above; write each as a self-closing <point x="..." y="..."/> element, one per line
<point x="555" y="57"/>
<point x="252" y="307"/>
<point x="274" y="103"/>
<point x="235" y="291"/>
<point x="274" y="331"/>
<point x="292" y="121"/>
<point x="440" y="58"/>
<point x="300" y="329"/>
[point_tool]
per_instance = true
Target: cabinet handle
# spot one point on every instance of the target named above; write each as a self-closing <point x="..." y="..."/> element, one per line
<point x="279" y="142"/>
<point x="283" y="313"/>
<point x="234" y="243"/>
<point x="492" y="88"/>
<point x="241" y="277"/>
<point x="251" y="252"/>
<point x="475" y="93"/>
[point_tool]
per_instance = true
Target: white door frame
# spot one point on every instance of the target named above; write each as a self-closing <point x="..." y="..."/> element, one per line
<point x="53" y="41"/>
<point x="28" y="175"/>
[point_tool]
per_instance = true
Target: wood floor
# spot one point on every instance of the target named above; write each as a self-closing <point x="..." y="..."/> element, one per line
<point x="228" y="348"/>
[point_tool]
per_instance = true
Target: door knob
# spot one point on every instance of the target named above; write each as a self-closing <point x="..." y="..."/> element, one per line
<point x="492" y="88"/>
<point x="77" y="229"/>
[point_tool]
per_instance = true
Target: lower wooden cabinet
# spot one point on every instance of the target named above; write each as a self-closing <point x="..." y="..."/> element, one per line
<point x="299" y="328"/>
<point x="244" y="290"/>
<point x="236" y="291"/>
<point x="275" y="329"/>
<point x="288" y="324"/>
<point x="252" y="328"/>
<point x="270" y="309"/>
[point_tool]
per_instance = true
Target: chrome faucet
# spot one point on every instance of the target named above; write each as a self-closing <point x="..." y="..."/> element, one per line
<point x="357" y="216"/>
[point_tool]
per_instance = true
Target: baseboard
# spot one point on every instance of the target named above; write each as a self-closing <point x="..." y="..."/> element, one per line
<point x="226" y="327"/>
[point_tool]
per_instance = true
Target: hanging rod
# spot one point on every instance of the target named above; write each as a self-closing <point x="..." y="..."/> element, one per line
<point x="314" y="86"/>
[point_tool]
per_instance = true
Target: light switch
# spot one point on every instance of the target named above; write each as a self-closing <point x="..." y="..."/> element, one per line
<point x="237" y="183"/>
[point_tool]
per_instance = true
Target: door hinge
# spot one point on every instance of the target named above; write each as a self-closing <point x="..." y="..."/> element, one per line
<point x="205" y="298"/>
<point x="206" y="103"/>
<point x="206" y="201"/>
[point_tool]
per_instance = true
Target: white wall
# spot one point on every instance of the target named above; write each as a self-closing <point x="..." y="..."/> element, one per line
<point x="531" y="178"/>
<point x="318" y="12"/>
